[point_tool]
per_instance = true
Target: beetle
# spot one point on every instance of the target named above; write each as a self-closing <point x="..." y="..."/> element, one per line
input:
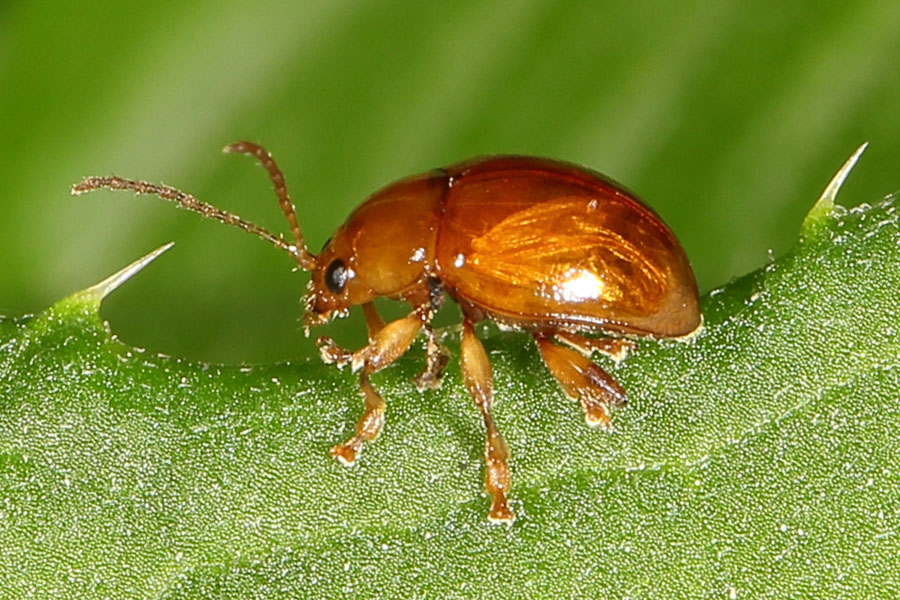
<point x="544" y="246"/>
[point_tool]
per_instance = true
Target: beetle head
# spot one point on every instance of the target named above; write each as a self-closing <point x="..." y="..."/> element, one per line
<point x="335" y="283"/>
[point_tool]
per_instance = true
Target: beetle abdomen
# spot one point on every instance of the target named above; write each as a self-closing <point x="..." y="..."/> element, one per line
<point x="545" y="243"/>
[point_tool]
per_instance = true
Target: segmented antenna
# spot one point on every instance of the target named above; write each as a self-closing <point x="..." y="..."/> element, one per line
<point x="304" y="257"/>
<point x="298" y="251"/>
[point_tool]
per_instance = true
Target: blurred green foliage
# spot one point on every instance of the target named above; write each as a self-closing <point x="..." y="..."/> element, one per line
<point x="728" y="117"/>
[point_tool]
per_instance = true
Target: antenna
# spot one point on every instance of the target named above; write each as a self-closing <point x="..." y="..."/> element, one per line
<point x="298" y="251"/>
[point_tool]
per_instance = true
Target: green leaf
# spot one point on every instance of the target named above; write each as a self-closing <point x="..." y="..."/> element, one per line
<point x="758" y="459"/>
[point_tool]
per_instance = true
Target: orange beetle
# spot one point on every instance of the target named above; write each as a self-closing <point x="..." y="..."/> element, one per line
<point x="544" y="246"/>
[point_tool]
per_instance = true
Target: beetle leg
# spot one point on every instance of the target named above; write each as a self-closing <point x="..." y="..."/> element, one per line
<point x="476" y="373"/>
<point x="369" y="425"/>
<point x="615" y="348"/>
<point x="580" y="378"/>
<point x="331" y="353"/>
<point x="436" y="357"/>
<point x="374" y="322"/>
<point x="391" y="342"/>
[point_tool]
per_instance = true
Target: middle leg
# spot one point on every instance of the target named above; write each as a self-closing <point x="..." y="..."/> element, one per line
<point x="476" y="373"/>
<point x="436" y="359"/>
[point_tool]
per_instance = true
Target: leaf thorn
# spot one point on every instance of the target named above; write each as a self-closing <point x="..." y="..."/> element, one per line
<point x="101" y="290"/>
<point x="825" y="204"/>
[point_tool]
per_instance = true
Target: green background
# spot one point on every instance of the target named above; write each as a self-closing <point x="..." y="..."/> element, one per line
<point x="728" y="117"/>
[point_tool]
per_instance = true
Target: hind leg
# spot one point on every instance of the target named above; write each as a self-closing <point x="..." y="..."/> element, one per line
<point x="615" y="348"/>
<point x="582" y="379"/>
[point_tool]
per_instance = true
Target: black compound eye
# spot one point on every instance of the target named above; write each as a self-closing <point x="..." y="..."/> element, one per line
<point x="336" y="276"/>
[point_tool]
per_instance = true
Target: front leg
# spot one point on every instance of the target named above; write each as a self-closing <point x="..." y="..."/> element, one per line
<point x="368" y="427"/>
<point x="436" y="355"/>
<point x="386" y="346"/>
<point x="374" y="322"/>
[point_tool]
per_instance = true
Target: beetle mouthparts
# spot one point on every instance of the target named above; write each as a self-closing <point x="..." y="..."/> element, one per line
<point x="313" y="319"/>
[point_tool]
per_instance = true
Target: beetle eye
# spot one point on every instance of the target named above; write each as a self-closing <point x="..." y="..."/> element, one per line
<point x="336" y="276"/>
